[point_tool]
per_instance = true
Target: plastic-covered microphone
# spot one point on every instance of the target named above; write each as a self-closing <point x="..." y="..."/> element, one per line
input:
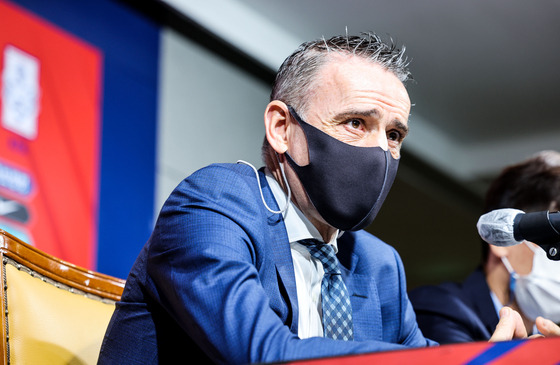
<point x="508" y="227"/>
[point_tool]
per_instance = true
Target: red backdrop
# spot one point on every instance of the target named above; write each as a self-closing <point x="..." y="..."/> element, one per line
<point x="49" y="136"/>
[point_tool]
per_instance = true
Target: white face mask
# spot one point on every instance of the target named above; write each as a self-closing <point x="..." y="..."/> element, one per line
<point x="538" y="293"/>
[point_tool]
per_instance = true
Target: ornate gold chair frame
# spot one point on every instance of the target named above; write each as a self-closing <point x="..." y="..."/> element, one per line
<point x="52" y="311"/>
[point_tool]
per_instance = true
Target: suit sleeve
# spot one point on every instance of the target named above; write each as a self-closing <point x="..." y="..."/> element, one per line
<point x="204" y="268"/>
<point x="445" y="318"/>
<point x="411" y="335"/>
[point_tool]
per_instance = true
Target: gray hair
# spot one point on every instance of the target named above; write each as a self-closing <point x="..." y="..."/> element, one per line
<point x="296" y="75"/>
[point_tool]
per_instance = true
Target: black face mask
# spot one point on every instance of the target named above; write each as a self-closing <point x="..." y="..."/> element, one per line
<point x="346" y="184"/>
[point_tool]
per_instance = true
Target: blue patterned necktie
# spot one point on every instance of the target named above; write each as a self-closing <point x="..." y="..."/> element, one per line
<point x="337" y="310"/>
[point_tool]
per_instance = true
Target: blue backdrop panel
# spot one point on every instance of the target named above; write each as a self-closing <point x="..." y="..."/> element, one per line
<point x="130" y="46"/>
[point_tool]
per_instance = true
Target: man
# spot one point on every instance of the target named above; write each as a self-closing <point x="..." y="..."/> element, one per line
<point x="520" y="276"/>
<point x="241" y="266"/>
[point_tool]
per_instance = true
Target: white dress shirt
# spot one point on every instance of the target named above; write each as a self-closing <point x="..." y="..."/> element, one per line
<point x="308" y="270"/>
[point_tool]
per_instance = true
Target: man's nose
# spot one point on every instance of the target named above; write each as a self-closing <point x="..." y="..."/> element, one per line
<point x="378" y="139"/>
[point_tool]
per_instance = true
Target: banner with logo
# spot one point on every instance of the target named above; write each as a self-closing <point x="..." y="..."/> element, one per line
<point x="50" y="127"/>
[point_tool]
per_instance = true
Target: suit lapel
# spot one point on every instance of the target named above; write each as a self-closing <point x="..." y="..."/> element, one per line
<point x="476" y="288"/>
<point x="282" y="254"/>
<point x="285" y="270"/>
<point x="366" y="308"/>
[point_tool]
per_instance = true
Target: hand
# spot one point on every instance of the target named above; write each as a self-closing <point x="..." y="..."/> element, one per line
<point x="547" y="327"/>
<point x="511" y="326"/>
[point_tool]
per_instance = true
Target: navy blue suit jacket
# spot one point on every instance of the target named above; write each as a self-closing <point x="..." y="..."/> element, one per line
<point x="454" y="312"/>
<point x="216" y="280"/>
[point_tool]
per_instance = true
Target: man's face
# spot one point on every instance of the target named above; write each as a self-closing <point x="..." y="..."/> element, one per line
<point x="356" y="102"/>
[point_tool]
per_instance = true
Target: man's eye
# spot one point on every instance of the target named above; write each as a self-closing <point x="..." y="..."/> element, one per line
<point x="355" y="123"/>
<point x="394" y="136"/>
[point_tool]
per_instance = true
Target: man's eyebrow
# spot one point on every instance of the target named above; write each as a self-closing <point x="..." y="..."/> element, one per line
<point x="351" y="113"/>
<point x="400" y="125"/>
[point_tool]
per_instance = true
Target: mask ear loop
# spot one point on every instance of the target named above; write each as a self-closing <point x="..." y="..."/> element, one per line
<point x="507" y="264"/>
<point x="260" y="187"/>
<point x="513" y="277"/>
<point x="531" y="247"/>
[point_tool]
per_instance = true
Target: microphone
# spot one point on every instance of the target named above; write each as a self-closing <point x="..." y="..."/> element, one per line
<point x="508" y="227"/>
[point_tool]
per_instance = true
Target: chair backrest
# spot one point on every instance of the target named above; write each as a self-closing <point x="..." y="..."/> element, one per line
<point x="53" y="312"/>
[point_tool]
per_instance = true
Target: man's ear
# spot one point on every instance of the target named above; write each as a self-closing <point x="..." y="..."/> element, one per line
<point x="275" y="123"/>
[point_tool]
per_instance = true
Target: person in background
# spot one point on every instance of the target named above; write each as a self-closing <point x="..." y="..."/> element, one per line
<point x="520" y="277"/>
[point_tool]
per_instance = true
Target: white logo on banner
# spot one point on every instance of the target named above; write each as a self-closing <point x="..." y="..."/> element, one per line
<point x="20" y="92"/>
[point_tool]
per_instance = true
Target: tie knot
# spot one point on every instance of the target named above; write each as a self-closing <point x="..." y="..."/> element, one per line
<point x="324" y="253"/>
